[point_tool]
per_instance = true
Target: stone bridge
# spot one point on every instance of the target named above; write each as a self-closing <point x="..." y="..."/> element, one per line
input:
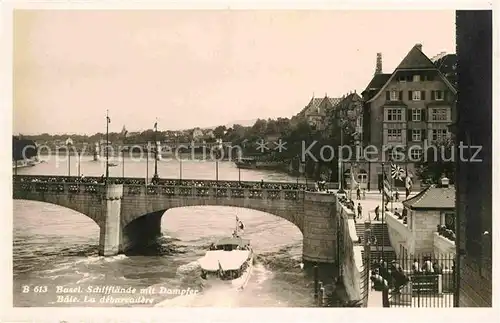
<point x="128" y="212"/>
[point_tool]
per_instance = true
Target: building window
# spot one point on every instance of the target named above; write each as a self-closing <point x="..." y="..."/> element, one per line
<point x="416" y="135"/>
<point x="415" y="153"/>
<point x="394" y="135"/>
<point x="394" y="95"/>
<point x="439" y="114"/>
<point x="439" y="95"/>
<point x="415" y="95"/>
<point x="394" y="115"/>
<point x="362" y="178"/>
<point x="416" y="115"/>
<point x="439" y="134"/>
<point x="416" y="78"/>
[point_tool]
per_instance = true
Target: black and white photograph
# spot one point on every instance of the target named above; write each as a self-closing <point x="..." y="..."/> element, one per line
<point x="236" y="158"/>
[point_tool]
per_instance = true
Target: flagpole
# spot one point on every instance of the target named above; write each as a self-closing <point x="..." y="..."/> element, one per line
<point x="147" y="163"/>
<point x="123" y="163"/>
<point x="392" y="190"/>
<point x="383" y="209"/>
<point x="156" y="150"/>
<point x="107" y="145"/>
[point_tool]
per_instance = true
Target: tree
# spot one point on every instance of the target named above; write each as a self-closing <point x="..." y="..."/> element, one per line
<point x="219" y="131"/>
<point x="437" y="161"/>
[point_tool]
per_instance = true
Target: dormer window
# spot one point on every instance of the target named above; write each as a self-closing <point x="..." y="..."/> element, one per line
<point x="416" y="78"/>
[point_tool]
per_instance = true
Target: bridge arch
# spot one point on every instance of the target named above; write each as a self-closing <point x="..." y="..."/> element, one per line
<point x="138" y="229"/>
<point x="95" y="215"/>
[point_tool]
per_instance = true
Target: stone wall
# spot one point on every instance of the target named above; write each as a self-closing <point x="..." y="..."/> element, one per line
<point x="443" y="246"/>
<point x="418" y="236"/>
<point x="399" y="234"/>
<point x="424" y="225"/>
<point x="351" y="264"/>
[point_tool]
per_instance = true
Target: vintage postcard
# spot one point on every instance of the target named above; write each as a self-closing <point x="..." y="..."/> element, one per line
<point x="168" y="159"/>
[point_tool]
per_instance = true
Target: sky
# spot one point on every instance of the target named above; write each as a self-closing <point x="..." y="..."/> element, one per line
<point x="191" y="69"/>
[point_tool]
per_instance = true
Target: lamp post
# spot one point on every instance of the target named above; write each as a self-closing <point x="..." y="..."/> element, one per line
<point x="178" y="155"/>
<point x="108" y="120"/>
<point x="79" y="161"/>
<point x="219" y="148"/>
<point x="69" y="143"/>
<point x="147" y="162"/>
<point x="123" y="163"/>
<point x="155" y="176"/>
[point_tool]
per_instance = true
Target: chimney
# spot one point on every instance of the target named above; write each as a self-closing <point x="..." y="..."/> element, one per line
<point x="378" y="68"/>
<point x="419" y="46"/>
<point x="445" y="182"/>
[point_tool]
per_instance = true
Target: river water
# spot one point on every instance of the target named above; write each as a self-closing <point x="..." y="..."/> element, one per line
<point x="56" y="248"/>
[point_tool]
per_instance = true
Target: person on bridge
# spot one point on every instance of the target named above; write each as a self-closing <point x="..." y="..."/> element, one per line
<point x="397" y="195"/>
<point x="360" y="211"/>
<point x="358" y="194"/>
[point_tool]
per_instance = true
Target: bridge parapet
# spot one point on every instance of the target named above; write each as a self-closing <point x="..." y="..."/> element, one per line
<point x="218" y="192"/>
<point x="225" y="191"/>
<point x="59" y="188"/>
<point x="163" y="181"/>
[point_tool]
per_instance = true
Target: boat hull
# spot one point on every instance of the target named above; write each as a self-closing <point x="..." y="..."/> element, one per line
<point x="239" y="283"/>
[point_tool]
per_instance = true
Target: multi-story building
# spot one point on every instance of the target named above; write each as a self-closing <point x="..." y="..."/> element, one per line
<point x="474" y="178"/>
<point x="404" y="112"/>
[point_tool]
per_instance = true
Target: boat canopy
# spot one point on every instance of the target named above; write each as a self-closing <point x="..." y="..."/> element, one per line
<point x="234" y="241"/>
<point x="225" y="260"/>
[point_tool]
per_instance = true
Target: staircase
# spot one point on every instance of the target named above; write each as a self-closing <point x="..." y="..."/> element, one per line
<point x="378" y="230"/>
<point x="388" y="255"/>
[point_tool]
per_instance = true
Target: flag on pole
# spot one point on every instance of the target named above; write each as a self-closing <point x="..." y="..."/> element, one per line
<point x="408" y="181"/>
<point x="397" y="172"/>
<point x="108" y="118"/>
<point x="156" y="126"/>
<point x="354" y="183"/>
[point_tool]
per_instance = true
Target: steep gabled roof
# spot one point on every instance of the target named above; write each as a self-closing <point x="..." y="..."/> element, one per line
<point x="334" y="101"/>
<point x="415" y="59"/>
<point x="378" y="81"/>
<point x="433" y="198"/>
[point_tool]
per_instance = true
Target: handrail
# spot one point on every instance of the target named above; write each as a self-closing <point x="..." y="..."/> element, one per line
<point x="142" y="180"/>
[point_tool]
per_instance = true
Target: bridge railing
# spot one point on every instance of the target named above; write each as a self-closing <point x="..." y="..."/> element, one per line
<point x="165" y="181"/>
<point x="59" y="187"/>
<point x="69" y="187"/>
<point x="168" y="190"/>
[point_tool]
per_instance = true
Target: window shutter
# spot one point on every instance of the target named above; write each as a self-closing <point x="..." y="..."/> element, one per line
<point x="387" y="95"/>
<point x="422" y="115"/>
<point x="423" y="95"/>
<point x="433" y="95"/>
<point x="408" y="135"/>
<point x="410" y="95"/>
<point x="445" y="95"/>
<point x="423" y="134"/>
<point x="400" y="95"/>
<point x="408" y="117"/>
